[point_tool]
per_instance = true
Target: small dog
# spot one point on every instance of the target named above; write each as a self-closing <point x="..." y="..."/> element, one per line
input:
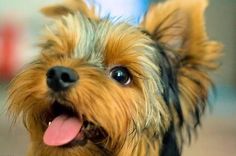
<point x="104" y="87"/>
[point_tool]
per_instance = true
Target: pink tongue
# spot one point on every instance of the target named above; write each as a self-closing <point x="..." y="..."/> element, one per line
<point x="62" y="130"/>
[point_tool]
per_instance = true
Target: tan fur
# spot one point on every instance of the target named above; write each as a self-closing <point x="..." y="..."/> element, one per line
<point x="136" y="116"/>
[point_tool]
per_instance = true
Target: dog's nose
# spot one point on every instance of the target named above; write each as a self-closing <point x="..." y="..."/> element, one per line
<point x="61" y="78"/>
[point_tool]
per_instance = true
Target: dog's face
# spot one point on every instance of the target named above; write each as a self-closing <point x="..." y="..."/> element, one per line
<point x="101" y="79"/>
<point x="102" y="87"/>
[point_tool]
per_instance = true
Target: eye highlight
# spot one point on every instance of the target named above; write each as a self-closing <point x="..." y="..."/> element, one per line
<point x="121" y="75"/>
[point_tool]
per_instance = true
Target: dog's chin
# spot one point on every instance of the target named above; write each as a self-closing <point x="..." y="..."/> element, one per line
<point x="64" y="127"/>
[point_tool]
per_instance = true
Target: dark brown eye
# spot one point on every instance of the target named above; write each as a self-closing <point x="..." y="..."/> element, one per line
<point x="121" y="75"/>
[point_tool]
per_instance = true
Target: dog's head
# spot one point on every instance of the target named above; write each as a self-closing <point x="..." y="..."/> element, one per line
<point x="107" y="87"/>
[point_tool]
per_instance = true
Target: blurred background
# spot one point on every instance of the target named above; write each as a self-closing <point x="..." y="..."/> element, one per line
<point x="21" y="25"/>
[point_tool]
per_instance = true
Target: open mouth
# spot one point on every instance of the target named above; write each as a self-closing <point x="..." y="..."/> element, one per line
<point x="65" y="127"/>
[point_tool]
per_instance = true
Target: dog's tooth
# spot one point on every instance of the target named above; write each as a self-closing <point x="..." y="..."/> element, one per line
<point x="49" y="123"/>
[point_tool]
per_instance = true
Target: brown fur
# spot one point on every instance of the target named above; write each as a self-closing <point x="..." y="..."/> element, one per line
<point x="136" y="116"/>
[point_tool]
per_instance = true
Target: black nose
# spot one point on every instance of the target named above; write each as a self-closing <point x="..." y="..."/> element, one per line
<point x="61" y="78"/>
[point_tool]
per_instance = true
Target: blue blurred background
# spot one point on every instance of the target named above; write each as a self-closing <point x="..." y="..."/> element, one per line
<point x="21" y="25"/>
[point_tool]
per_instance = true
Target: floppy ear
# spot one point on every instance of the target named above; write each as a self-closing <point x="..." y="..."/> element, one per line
<point x="69" y="6"/>
<point x="178" y="26"/>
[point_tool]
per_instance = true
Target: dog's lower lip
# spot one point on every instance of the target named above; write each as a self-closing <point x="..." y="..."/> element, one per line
<point x="88" y="130"/>
<point x="63" y="130"/>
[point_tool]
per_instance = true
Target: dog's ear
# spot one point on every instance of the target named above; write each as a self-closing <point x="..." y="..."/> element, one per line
<point x="69" y="7"/>
<point x="178" y="26"/>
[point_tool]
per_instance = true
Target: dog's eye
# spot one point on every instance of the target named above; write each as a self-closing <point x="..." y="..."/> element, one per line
<point x="121" y="75"/>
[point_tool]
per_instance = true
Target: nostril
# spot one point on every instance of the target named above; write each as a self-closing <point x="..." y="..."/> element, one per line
<point x="51" y="74"/>
<point x="65" y="77"/>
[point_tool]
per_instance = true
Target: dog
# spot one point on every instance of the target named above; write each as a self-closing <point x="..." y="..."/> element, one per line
<point x="106" y="87"/>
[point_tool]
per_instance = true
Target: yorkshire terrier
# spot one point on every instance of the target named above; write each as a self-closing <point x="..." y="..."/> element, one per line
<point x="105" y="87"/>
